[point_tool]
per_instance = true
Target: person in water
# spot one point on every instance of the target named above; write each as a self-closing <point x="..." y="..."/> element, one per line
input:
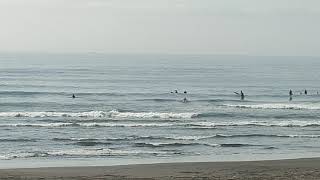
<point x="176" y="91"/>
<point x="305" y="92"/>
<point x="185" y="100"/>
<point x="242" y="95"/>
<point x="290" y="93"/>
<point x="185" y="92"/>
<point x="73" y="96"/>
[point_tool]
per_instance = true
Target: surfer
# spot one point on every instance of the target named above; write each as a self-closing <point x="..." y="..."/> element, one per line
<point x="176" y="91"/>
<point x="305" y="92"/>
<point x="290" y="93"/>
<point x="184" y="100"/>
<point x="185" y="92"/>
<point x="242" y="95"/>
<point x="73" y="96"/>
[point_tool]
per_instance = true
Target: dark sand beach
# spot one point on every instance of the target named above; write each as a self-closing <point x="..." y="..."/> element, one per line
<point x="275" y="169"/>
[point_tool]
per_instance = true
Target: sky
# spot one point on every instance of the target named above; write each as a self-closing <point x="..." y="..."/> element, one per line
<point x="249" y="27"/>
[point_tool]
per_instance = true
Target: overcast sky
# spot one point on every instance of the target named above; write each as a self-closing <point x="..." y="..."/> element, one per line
<point x="252" y="27"/>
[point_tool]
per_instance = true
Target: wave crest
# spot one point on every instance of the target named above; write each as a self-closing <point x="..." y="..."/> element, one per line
<point x="100" y="114"/>
<point x="277" y="106"/>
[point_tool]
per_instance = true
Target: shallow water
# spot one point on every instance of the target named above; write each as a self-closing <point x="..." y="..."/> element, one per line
<point x="124" y="111"/>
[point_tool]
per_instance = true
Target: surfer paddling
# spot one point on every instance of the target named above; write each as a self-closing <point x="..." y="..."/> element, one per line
<point x="73" y="96"/>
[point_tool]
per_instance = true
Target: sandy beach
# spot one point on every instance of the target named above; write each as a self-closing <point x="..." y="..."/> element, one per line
<point x="275" y="169"/>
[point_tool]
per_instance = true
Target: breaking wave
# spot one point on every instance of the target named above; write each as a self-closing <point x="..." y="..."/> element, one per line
<point x="179" y="144"/>
<point x="195" y="125"/>
<point x="48" y="125"/>
<point x="100" y="114"/>
<point x="108" y="141"/>
<point x="293" y="123"/>
<point x="86" y="152"/>
<point x="97" y="116"/>
<point x="130" y="138"/>
<point x="277" y="106"/>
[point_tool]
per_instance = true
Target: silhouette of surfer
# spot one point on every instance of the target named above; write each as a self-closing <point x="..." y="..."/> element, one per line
<point x="290" y="95"/>
<point x="176" y="91"/>
<point x="185" y="92"/>
<point x="184" y="100"/>
<point x="73" y="96"/>
<point x="242" y="95"/>
<point x="305" y="92"/>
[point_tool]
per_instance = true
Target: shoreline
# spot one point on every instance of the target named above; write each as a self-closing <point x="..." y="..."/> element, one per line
<point x="305" y="168"/>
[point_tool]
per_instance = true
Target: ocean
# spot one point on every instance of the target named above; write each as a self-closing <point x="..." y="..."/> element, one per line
<point x="126" y="110"/>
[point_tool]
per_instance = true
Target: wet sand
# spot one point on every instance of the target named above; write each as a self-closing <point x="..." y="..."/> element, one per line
<point x="276" y="169"/>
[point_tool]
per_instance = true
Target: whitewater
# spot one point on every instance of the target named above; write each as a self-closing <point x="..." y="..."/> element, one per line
<point x="126" y="109"/>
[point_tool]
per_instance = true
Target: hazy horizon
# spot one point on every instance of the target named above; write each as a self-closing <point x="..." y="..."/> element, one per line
<point x="254" y="28"/>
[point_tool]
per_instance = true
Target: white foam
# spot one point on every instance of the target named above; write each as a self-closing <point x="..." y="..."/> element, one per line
<point x="258" y="123"/>
<point x="36" y="125"/>
<point x="87" y="125"/>
<point x="190" y="137"/>
<point x="80" y="152"/>
<point x="278" y="106"/>
<point x="21" y="155"/>
<point x="163" y="115"/>
<point x="97" y="114"/>
<point x="53" y="114"/>
<point x="126" y="125"/>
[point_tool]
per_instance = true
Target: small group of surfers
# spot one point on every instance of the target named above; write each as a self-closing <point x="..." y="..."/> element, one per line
<point x="301" y="92"/>
<point x="185" y="100"/>
<point x="305" y="92"/>
<point x="176" y="92"/>
<point x="241" y="94"/>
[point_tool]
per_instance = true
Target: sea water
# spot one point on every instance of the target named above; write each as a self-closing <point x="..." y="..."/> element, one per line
<point x="126" y="110"/>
